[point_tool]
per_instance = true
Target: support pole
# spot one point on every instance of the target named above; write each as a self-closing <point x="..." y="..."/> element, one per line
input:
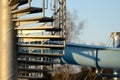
<point x="116" y="44"/>
<point x="116" y="39"/>
<point x="8" y="65"/>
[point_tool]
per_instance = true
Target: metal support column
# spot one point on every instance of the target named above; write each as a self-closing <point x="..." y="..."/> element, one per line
<point x="116" y="39"/>
<point x="8" y="49"/>
<point x="116" y="44"/>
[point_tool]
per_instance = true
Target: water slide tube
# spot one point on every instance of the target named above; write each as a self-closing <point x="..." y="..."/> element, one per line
<point x="92" y="56"/>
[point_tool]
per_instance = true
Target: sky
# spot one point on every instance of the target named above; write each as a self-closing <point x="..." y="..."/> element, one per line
<point x="101" y="17"/>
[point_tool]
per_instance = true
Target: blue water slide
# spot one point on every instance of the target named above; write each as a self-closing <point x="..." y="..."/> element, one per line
<point x="92" y="56"/>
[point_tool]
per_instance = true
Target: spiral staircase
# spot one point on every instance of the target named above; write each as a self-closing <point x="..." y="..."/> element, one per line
<point x="39" y="47"/>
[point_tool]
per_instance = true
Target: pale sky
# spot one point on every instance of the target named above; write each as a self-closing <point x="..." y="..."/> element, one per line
<point x="101" y="18"/>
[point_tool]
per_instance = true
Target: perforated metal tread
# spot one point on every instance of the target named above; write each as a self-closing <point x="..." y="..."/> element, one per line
<point x="31" y="78"/>
<point x="21" y="2"/>
<point x="40" y="54"/>
<point x="40" y="19"/>
<point x="47" y="28"/>
<point x="36" y="62"/>
<point x="34" y="70"/>
<point x="42" y="46"/>
<point x="27" y="9"/>
<point x="41" y="37"/>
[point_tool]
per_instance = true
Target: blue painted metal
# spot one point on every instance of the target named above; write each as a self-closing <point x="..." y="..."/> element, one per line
<point x="92" y="56"/>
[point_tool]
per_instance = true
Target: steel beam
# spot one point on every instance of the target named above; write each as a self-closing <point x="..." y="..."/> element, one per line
<point x="8" y="49"/>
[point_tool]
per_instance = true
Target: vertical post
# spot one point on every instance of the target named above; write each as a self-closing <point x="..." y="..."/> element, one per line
<point x="29" y="3"/>
<point x="116" y="39"/>
<point x="62" y="16"/>
<point x="116" y="44"/>
<point x="8" y="66"/>
<point x="43" y="6"/>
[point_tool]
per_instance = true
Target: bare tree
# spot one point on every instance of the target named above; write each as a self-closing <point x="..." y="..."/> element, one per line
<point x="64" y="72"/>
<point x="102" y="44"/>
<point x="73" y="30"/>
<point x="74" y="27"/>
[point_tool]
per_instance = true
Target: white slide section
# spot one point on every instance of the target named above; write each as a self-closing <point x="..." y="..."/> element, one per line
<point x="92" y="56"/>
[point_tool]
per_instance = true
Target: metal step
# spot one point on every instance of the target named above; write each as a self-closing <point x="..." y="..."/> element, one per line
<point x="20" y="2"/>
<point x="41" y="37"/>
<point x="32" y="78"/>
<point x="34" y="70"/>
<point x="47" y="28"/>
<point x="40" y="19"/>
<point x="42" y="46"/>
<point x="20" y="40"/>
<point x="36" y="62"/>
<point x="31" y="40"/>
<point x="27" y="9"/>
<point x="40" y="54"/>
